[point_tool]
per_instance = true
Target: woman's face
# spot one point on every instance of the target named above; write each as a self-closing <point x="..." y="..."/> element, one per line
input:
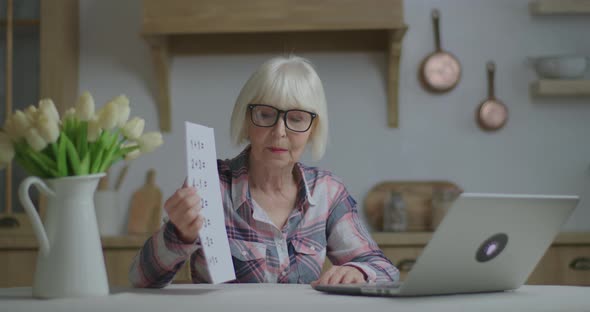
<point x="276" y="146"/>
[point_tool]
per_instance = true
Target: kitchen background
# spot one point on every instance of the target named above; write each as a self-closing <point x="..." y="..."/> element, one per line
<point x="544" y="148"/>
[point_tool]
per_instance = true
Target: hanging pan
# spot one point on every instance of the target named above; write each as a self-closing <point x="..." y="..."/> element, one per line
<point x="440" y="71"/>
<point x="492" y="114"/>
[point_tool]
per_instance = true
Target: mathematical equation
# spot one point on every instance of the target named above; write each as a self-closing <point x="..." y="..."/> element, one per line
<point x="198" y="164"/>
<point x="199" y="184"/>
<point x="197" y="145"/>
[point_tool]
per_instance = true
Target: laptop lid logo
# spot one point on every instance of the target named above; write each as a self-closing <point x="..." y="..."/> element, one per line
<point x="491" y="247"/>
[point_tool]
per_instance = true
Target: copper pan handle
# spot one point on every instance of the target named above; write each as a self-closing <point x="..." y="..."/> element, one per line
<point x="436" y="25"/>
<point x="491" y="66"/>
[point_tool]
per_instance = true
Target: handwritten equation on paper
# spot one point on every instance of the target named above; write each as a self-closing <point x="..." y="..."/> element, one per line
<point x="202" y="174"/>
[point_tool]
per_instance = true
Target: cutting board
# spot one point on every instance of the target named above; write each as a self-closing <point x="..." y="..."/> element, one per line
<point x="417" y="196"/>
<point x="145" y="212"/>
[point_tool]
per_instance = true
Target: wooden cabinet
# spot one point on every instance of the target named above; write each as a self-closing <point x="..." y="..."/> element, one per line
<point x="566" y="262"/>
<point x="18" y="257"/>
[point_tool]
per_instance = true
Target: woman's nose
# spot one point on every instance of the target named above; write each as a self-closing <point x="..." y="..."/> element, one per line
<point x="279" y="128"/>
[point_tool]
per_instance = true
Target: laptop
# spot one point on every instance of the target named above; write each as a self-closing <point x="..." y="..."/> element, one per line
<point x="485" y="243"/>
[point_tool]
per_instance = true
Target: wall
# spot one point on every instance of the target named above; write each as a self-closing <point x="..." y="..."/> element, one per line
<point x="543" y="149"/>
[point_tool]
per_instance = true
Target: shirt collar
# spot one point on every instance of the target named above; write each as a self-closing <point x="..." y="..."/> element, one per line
<point x="240" y="188"/>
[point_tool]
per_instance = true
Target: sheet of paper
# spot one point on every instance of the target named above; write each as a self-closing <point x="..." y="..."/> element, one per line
<point x="202" y="173"/>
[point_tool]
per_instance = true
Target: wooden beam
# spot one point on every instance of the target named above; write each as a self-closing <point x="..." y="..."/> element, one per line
<point x="160" y="59"/>
<point x="394" y="51"/>
<point x="59" y="47"/>
<point x="279" y="42"/>
<point x="554" y="7"/>
<point x="239" y="16"/>
<point x="557" y="87"/>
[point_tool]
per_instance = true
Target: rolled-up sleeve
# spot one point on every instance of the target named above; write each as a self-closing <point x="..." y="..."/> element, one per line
<point x="350" y="244"/>
<point x="162" y="255"/>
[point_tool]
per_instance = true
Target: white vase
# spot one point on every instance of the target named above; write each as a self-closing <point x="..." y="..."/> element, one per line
<point x="70" y="261"/>
<point x="109" y="215"/>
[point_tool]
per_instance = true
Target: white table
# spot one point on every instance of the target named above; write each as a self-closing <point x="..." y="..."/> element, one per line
<point x="300" y="298"/>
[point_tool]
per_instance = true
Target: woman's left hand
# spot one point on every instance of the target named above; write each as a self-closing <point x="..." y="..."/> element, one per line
<point x="340" y="275"/>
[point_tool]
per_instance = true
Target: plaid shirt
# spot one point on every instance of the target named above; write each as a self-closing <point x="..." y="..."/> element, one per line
<point x="324" y="222"/>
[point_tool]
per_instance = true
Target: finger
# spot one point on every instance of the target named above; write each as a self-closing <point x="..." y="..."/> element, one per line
<point x="189" y="212"/>
<point x="185" y="184"/>
<point x="352" y="277"/>
<point x="181" y="214"/>
<point x="348" y="278"/>
<point x="191" y="232"/>
<point x="337" y="276"/>
<point x="191" y="215"/>
<point x="189" y="202"/>
<point x="196" y="225"/>
<point x="178" y="196"/>
<point x="326" y="276"/>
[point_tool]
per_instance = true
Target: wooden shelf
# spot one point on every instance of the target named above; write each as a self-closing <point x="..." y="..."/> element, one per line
<point x="560" y="88"/>
<point x="21" y="22"/>
<point x="262" y="26"/>
<point x="385" y="239"/>
<point x="559" y="7"/>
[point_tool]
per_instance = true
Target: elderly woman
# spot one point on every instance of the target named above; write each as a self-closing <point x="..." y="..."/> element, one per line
<point x="282" y="217"/>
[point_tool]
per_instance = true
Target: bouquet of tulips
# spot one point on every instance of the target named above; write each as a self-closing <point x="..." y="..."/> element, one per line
<point x="81" y="142"/>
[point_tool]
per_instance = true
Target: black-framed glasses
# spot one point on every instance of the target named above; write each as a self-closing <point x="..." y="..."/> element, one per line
<point x="296" y="120"/>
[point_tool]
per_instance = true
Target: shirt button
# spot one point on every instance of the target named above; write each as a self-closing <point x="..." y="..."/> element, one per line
<point x="312" y="248"/>
<point x="244" y="253"/>
<point x="284" y="273"/>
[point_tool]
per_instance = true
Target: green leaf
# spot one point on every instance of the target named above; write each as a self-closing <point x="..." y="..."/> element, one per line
<point x="113" y="148"/>
<point x="73" y="157"/>
<point x="54" y="149"/>
<point x="39" y="163"/>
<point x="30" y="167"/>
<point x="85" y="165"/>
<point x="62" y="167"/>
<point x="82" y="144"/>
<point x="96" y="162"/>
<point x="125" y="150"/>
<point x="47" y="162"/>
<point x="22" y="157"/>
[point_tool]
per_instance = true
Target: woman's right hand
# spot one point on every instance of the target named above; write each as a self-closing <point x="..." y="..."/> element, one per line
<point x="184" y="211"/>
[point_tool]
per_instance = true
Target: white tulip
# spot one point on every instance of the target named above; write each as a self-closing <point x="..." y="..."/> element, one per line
<point x="148" y="142"/>
<point x="133" y="154"/>
<point x="6" y="149"/>
<point x="123" y="110"/>
<point x="48" y="106"/>
<point x="10" y="129"/>
<point x="31" y="112"/>
<point x="20" y="124"/>
<point x="93" y="130"/>
<point x="85" y="106"/>
<point x="70" y="113"/>
<point x="35" y="140"/>
<point x="133" y="129"/>
<point x="108" y="116"/>
<point x="48" y="128"/>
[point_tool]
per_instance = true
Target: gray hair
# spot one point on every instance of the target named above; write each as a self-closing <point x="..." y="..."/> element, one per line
<point x="286" y="83"/>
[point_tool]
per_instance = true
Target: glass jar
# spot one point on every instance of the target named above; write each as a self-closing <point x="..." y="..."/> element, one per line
<point x="394" y="213"/>
<point x="442" y="200"/>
